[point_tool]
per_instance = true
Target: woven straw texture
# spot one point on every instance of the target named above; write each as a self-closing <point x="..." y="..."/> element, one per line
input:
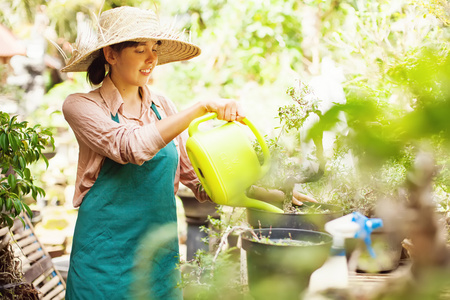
<point x="128" y="24"/>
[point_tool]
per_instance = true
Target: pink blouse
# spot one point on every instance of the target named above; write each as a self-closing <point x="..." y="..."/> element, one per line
<point x="133" y="140"/>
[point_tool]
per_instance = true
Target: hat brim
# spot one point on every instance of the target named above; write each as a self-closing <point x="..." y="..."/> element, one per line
<point x="170" y="50"/>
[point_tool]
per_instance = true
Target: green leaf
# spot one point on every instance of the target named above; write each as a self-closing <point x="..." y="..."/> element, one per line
<point x="17" y="207"/>
<point x="27" y="208"/>
<point x="22" y="162"/>
<point x="8" y="204"/>
<point x="45" y="159"/>
<point x="33" y="192"/>
<point x="19" y="172"/>
<point x="29" y="155"/>
<point x="25" y="144"/>
<point x="14" y="142"/>
<point x="40" y="191"/>
<point x="27" y="173"/>
<point x="20" y="188"/>
<point x="8" y="219"/>
<point x="4" y="142"/>
<point x="34" y="139"/>
<point x="23" y="222"/>
<point x="11" y="121"/>
<point x="12" y="181"/>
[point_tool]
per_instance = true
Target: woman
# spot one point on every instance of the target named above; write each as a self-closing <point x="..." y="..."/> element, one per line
<point x="131" y="154"/>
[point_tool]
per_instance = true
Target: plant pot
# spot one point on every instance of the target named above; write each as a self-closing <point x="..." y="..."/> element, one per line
<point x="282" y="271"/>
<point x="387" y="246"/>
<point x="195" y="209"/>
<point x="309" y="221"/>
<point x="196" y="216"/>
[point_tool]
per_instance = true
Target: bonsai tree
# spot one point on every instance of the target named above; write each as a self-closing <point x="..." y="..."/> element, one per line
<point x="20" y="146"/>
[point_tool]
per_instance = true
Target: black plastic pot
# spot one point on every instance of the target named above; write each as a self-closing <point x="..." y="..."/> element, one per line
<point x="196" y="210"/>
<point x="196" y="216"/>
<point x="309" y="221"/>
<point x="282" y="271"/>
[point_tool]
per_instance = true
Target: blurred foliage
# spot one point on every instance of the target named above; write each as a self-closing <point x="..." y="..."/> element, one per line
<point x="285" y="147"/>
<point x="8" y="90"/>
<point x="255" y="48"/>
<point x="438" y="8"/>
<point x="379" y="131"/>
<point x="13" y="11"/>
<point x="207" y="277"/>
<point x="384" y="138"/>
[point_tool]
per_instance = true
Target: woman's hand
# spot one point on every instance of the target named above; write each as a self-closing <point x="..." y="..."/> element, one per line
<point x="273" y="195"/>
<point x="226" y="109"/>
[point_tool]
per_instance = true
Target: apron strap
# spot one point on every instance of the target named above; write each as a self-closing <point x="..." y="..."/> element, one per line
<point x="156" y="111"/>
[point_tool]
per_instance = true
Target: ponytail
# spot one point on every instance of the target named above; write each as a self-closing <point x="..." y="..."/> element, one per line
<point x="97" y="69"/>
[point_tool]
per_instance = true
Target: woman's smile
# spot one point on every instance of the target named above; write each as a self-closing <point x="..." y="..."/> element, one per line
<point x="146" y="72"/>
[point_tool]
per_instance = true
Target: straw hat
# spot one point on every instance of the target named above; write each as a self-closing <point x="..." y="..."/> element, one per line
<point x="128" y="24"/>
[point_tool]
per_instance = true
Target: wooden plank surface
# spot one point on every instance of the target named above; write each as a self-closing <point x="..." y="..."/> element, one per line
<point x="38" y="268"/>
<point x="367" y="283"/>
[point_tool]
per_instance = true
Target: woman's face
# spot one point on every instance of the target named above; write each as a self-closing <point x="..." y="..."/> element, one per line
<point x="133" y="65"/>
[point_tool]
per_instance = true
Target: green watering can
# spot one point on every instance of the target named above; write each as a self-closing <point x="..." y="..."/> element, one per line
<point x="226" y="163"/>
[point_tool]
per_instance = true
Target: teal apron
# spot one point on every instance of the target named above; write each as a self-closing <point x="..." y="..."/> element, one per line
<point x="125" y="203"/>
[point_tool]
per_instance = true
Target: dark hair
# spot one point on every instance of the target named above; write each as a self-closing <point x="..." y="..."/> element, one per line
<point x="96" y="72"/>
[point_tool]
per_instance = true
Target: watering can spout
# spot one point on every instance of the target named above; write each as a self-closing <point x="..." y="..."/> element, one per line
<point x="253" y="203"/>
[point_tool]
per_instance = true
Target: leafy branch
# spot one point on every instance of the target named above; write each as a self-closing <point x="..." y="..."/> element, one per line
<point x="20" y="146"/>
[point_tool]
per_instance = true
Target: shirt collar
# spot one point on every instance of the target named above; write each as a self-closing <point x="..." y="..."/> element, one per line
<point x="148" y="97"/>
<point x="114" y="101"/>
<point x="111" y="95"/>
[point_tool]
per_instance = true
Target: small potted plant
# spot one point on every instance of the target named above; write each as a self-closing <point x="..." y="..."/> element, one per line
<point x="289" y="170"/>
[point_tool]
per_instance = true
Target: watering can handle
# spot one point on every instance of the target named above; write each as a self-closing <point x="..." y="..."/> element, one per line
<point x="193" y="128"/>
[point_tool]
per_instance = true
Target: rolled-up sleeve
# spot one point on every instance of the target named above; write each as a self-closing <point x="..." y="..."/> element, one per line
<point x="188" y="177"/>
<point x="121" y="142"/>
<point x="185" y="173"/>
